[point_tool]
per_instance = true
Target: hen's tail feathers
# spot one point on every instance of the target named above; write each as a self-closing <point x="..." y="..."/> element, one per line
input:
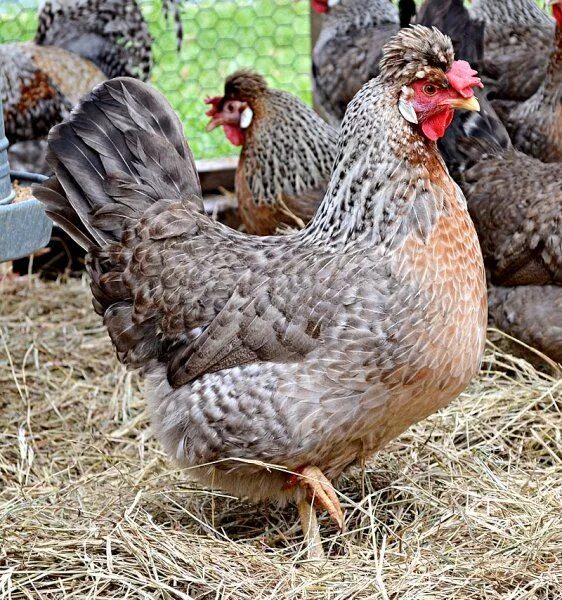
<point x="121" y="150"/>
<point x="111" y="33"/>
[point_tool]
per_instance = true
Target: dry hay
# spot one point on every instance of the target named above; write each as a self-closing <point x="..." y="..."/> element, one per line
<point x="465" y="505"/>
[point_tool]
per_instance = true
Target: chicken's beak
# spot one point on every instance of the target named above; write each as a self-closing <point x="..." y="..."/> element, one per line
<point x="466" y="103"/>
<point x="215" y="122"/>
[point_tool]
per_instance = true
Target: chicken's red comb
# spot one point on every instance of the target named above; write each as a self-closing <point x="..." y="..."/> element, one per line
<point x="215" y="101"/>
<point x="462" y="78"/>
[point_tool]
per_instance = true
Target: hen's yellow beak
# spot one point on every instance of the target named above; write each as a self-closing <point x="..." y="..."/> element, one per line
<point x="466" y="103"/>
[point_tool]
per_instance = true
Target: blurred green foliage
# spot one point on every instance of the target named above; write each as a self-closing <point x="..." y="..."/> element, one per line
<point x="220" y="36"/>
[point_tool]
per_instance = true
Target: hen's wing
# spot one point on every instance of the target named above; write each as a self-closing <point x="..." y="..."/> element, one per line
<point x="530" y="313"/>
<point x="515" y="202"/>
<point x="172" y="284"/>
<point x="342" y="64"/>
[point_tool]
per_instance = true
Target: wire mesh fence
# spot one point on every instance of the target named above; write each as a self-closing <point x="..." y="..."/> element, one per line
<point x="220" y="36"/>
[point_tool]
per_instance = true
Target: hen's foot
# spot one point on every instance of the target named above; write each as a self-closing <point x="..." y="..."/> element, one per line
<point x="321" y="491"/>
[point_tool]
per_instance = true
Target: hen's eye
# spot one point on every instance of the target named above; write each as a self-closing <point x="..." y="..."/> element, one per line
<point x="429" y="89"/>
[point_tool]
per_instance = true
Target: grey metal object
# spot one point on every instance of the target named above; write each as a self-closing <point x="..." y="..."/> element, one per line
<point x="6" y="192"/>
<point x="24" y="226"/>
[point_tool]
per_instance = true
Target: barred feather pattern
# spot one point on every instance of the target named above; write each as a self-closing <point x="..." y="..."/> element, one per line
<point x="112" y="34"/>
<point x="285" y="163"/>
<point x="312" y="348"/>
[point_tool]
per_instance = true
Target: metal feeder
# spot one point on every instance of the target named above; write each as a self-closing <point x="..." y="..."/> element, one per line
<point x="24" y="226"/>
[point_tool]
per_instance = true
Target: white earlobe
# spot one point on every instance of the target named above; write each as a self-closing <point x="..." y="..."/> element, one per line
<point x="246" y="118"/>
<point x="332" y="3"/>
<point x="407" y="111"/>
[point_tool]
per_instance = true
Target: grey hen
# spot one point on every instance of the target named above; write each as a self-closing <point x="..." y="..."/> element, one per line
<point x="78" y="44"/>
<point x="517" y="44"/>
<point x="309" y="351"/>
<point x="535" y="126"/>
<point x="348" y="50"/>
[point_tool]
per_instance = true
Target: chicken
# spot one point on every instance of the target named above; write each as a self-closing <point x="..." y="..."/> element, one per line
<point x="308" y="351"/>
<point x="531" y="313"/>
<point x="348" y="50"/>
<point x="535" y="126"/>
<point x="517" y="43"/>
<point x="78" y="44"/>
<point x="287" y="152"/>
<point x="515" y="202"/>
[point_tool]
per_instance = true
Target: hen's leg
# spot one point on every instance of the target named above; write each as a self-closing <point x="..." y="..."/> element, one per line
<point x="310" y="529"/>
<point x="320" y="493"/>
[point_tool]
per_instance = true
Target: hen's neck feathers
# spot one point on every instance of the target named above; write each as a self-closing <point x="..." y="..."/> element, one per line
<point x="388" y="179"/>
<point x="288" y="149"/>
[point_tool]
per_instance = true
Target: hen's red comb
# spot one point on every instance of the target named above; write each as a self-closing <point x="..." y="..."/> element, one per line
<point x="462" y="78"/>
<point x="215" y="101"/>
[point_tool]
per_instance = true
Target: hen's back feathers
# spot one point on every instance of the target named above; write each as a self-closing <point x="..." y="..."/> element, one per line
<point x="348" y="50"/>
<point x="518" y="38"/>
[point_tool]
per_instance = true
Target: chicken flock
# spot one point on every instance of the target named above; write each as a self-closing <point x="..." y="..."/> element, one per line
<point x="354" y="301"/>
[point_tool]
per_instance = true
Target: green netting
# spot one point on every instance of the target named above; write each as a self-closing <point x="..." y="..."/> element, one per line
<point x="220" y="36"/>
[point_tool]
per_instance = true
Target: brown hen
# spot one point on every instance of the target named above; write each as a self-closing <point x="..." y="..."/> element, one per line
<point x="308" y="351"/>
<point x="287" y="152"/>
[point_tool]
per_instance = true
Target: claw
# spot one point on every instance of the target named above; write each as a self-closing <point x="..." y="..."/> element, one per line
<point x="322" y="492"/>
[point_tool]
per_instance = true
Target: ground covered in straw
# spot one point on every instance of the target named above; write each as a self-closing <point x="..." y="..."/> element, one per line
<point x="465" y="505"/>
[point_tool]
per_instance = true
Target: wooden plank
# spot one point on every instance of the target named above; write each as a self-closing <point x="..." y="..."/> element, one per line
<point x="217" y="173"/>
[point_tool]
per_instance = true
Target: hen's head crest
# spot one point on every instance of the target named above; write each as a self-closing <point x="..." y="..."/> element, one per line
<point x="413" y="51"/>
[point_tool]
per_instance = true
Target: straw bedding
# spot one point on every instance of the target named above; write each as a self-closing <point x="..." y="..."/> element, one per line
<point x="464" y="505"/>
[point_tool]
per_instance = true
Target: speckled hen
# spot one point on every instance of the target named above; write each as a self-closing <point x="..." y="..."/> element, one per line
<point x="348" y="50"/>
<point x="287" y="152"/>
<point x="309" y="351"/>
<point x="517" y="44"/>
